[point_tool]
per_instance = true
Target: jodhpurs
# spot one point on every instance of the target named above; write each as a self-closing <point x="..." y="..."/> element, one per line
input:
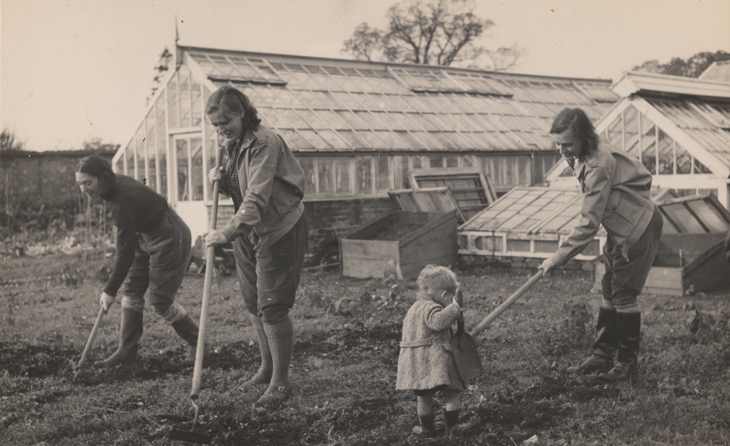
<point x="624" y="278"/>
<point x="160" y="262"/>
<point x="269" y="275"/>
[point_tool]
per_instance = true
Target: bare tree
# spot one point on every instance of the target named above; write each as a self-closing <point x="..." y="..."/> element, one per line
<point x="9" y="142"/>
<point x="442" y="32"/>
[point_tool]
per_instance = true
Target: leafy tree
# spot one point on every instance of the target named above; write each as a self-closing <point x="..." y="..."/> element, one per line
<point x="9" y="142"/>
<point x="441" y="32"/>
<point x="692" y="67"/>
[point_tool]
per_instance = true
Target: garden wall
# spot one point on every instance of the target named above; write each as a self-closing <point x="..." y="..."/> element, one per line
<point x="32" y="179"/>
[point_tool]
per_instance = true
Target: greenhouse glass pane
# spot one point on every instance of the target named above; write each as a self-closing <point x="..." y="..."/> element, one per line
<point x="681" y="216"/>
<point x="151" y="150"/>
<point x="631" y="124"/>
<point x="161" y="144"/>
<point x="183" y="173"/>
<point x="307" y="165"/>
<point x="435" y="161"/>
<point x="614" y="134"/>
<point x="196" y="170"/>
<point x="141" y="155"/>
<point x="468" y="161"/>
<point x="363" y="176"/>
<point x="382" y="172"/>
<point x="184" y="91"/>
<point x="648" y="146"/>
<point x="700" y="168"/>
<point x="197" y="103"/>
<point x="709" y="215"/>
<point x="684" y="161"/>
<point x="353" y="139"/>
<point x="452" y="161"/>
<point x="666" y="154"/>
<point x="172" y="103"/>
<point x="325" y="175"/>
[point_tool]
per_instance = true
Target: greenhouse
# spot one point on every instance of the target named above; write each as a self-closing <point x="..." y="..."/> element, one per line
<point x="680" y="130"/>
<point x="359" y="129"/>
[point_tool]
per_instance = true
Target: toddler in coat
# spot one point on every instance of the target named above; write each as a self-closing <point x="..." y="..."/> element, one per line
<point x="426" y="364"/>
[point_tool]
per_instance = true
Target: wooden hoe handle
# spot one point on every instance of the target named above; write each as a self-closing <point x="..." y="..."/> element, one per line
<point x="506" y="304"/>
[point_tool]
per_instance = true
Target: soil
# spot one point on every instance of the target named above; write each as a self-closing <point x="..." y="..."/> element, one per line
<point x="347" y="334"/>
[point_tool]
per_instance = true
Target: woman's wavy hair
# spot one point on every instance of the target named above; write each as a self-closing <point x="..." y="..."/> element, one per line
<point x="576" y="120"/>
<point x="100" y="169"/>
<point x="230" y="101"/>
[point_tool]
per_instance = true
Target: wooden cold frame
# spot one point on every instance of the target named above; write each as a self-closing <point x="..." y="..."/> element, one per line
<point x="433" y="199"/>
<point x="428" y="178"/>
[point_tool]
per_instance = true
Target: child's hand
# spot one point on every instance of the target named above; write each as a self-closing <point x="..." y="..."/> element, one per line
<point x="459" y="297"/>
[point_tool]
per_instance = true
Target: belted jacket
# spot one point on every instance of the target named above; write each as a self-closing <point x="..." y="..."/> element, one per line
<point x="616" y="193"/>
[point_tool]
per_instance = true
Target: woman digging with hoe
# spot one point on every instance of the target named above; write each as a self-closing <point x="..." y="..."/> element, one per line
<point x="268" y="231"/>
<point x="615" y="194"/>
<point x="153" y="252"/>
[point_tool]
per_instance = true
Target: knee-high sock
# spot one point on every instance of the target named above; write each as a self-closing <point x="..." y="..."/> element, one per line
<point x="281" y="343"/>
<point x="267" y="365"/>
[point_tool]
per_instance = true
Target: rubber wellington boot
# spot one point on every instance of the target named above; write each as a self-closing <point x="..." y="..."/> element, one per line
<point x="425" y="426"/>
<point x="188" y="331"/>
<point x="130" y="333"/>
<point x="601" y="361"/>
<point x="627" y="365"/>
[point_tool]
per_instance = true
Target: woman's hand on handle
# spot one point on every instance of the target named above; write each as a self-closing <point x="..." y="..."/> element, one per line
<point x="215" y="174"/>
<point x="547" y="266"/>
<point x="106" y="301"/>
<point x="215" y="237"/>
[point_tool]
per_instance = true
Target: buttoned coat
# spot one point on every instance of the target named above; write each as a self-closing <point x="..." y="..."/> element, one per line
<point x="425" y="359"/>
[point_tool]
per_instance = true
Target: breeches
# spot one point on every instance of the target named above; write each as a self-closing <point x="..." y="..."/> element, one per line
<point x="160" y="262"/>
<point x="624" y="278"/>
<point x="269" y="275"/>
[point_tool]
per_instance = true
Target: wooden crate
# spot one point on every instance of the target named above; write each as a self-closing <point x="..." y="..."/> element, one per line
<point x="431" y="239"/>
<point x="682" y="261"/>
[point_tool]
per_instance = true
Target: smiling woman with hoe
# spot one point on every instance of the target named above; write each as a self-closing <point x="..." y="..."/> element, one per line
<point x="153" y="252"/>
<point x="616" y="195"/>
<point x="268" y="231"/>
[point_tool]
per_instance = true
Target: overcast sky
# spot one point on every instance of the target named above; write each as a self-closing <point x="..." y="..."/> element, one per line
<point x="78" y="69"/>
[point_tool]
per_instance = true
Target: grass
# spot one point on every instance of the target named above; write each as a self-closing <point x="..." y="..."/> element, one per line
<point x="344" y="365"/>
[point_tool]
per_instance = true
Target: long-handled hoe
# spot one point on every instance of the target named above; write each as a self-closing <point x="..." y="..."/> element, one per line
<point x="89" y="343"/>
<point x="506" y="304"/>
<point x="191" y="435"/>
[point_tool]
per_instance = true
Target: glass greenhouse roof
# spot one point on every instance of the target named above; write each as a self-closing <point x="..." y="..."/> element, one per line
<point x="541" y="210"/>
<point x="707" y="122"/>
<point x="328" y="105"/>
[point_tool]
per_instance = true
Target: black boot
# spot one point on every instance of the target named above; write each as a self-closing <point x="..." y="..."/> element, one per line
<point x="452" y="422"/>
<point x="628" y="333"/>
<point x="187" y="329"/>
<point x="601" y="361"/>
<point x="130" y="332"/>
<point x="425" y="426"/>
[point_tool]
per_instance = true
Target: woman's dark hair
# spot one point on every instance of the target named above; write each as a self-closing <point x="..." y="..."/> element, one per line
<point x="100" y="168"/>
<point x="230" y="101"/>
<point x="576" y="120"/>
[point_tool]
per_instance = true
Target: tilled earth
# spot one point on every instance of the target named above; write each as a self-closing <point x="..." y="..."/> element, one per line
<point x="344" y="366"/>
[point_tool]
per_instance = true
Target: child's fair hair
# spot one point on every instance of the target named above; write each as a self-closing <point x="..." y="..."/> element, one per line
<point x="437" y="278"/>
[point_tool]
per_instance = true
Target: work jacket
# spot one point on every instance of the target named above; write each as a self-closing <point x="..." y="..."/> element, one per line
<point x="615" y="190"/>
<point x="271" y="182"/>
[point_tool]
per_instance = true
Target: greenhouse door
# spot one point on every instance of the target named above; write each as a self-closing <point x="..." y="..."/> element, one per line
<point x="188" y="168"/>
